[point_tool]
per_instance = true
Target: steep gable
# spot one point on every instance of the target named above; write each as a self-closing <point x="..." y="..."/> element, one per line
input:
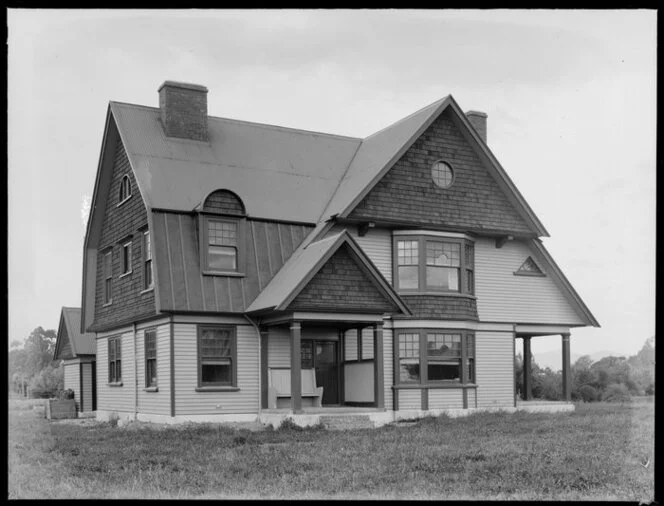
<point x="406" y="193"/>
<point x="340" y="285"/>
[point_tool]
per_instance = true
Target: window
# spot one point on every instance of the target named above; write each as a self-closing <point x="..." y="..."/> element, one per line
<point x="449" y="356"/>
<point x="529" y="268"/>
<point x="221" y="245"/>
<point x="125" y="189"/>
<point x="147" y="261"/>
<point x="126" y="258"/>
<point x="216" y="356"/>
<point x="432" y="264"/>
<point x="107" y="267"/>
<point x="307" y="354"/>
<point x="150" y="358"/>
<point x="114" y="359"/>
<point x="442" y="174"/>
<point x="409" y="358"/>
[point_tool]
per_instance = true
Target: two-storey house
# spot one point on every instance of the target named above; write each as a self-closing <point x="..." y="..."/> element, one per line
<point x="233" y="269"/>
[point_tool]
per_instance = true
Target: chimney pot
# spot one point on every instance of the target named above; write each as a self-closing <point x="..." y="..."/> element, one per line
<point x="183" y="110"/>
<point x="478" y="120"/>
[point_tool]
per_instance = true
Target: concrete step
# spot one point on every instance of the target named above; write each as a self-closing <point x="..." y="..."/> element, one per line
<point x="346" y="422"/>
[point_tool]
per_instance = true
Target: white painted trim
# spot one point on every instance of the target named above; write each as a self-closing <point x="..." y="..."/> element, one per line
<point x="541" y="329"/>
<point x="328" y="317"/>
<point x="229" y="320"/>
<point x="453" y="324"/>
<point x="435" y="233"/>
<point x="127" y="416"/>
<point x="153" y="323"/>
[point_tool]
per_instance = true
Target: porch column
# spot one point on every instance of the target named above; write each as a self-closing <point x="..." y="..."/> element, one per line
<point x="379" y="389"/>
<point x="296" y="367"/>
<point x="264" y="367"/>
<point x="567" y="377"/>
<point x="527" y="360"/>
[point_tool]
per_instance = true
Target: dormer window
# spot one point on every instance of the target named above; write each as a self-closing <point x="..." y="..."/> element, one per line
<point x="221" y="227"/>
<point x="125" y="189"/>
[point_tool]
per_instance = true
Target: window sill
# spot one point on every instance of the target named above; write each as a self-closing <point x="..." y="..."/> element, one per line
<point x="125" y="200"/>
<point x="433" y="386"/>
<point x="115" y="384"/>
<point x="151" y="389"/>
<point x="125" y="274"/>
<point x="439" y="294"/>
<point x="533" y="274"/>
<point x="217" y="389"/>
<point x="224" y="273"/>
<point x="147" y="290"/>
<point x="107" y="304"/>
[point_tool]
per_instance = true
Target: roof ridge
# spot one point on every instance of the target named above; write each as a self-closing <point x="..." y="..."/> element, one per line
<point x="255" y="123"/>
<point x="439" y="101"/>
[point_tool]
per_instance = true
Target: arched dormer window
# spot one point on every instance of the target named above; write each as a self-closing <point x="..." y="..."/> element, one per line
<point x="125" y="189"/>
<point x="221" y="227"/>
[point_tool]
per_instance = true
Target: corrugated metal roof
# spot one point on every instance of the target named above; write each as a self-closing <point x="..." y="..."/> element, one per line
<point x="81" y="344"/>
<point x="279" y="173"/>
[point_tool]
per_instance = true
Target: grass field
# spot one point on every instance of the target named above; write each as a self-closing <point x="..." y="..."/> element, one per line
<point x="598" y="452"/>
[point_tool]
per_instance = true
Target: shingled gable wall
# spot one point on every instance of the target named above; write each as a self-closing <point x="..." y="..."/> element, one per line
<point x="341" y="285"/>
<point x="407" y="192"/>
<point x="121" y="222"/>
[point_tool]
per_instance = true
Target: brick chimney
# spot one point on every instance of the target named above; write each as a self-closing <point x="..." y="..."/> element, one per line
<point x="478" y="120"/>
<point x="183" y="110"/>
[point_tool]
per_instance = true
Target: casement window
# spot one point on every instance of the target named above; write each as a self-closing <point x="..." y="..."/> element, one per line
<point x="126" y="258"/>
<point x="436" y="356"/>
<point x="107" y="268"/>
<point x="150" y="358"/>
<point x="217" y="356"/>
<point x="147" y="261"/>
<point x="125" y="189"/>
<point x="434" y="264"/>
<point x="114" y="359"/>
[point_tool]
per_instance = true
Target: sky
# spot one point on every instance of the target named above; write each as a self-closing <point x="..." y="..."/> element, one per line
<point x="570" y="98"/>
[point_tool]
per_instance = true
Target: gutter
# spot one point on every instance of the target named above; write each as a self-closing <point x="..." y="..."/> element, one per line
<point x="260" y="386"/>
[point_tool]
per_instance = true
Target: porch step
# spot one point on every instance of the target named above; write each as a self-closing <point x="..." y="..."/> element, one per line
<point x="346" y="422"/>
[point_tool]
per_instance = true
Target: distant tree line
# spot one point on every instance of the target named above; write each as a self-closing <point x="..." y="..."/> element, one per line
<point x="608" y="379"/>
<point x="31" y="368"/>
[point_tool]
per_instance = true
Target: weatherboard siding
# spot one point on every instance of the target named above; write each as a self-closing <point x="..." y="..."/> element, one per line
<point x="388" y="367"/>
<point x="445" y="398"/>
<point x="73" y="381"/>
<point x="182" y="284"/>
<point x="377" y="244"/>
<point x="158" y="402"/>
<point x="190" y="402"/>
<point x="278" y="347"/>
<point x="116" y="398"/>
<point x="410" y="398"/>
<point x="87" y="386"/>
<point x="503" y="296"/>
<point x="494" y="367"/>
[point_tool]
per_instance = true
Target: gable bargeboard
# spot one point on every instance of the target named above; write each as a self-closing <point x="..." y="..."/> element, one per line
<point x="342" y="285"/>
<point x="119" y="223"/>
<point x="406" y="192"/>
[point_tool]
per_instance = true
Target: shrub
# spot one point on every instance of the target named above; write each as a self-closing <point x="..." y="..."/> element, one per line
<point x="616" y="392"/>
<point x="588" y="393"/>
<point x="66" y="394"/>
<point x="47" y="383"/>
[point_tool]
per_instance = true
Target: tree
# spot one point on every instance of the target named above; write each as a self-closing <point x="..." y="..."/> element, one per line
<point x="642" y="367"/>
<point x="29" y="360"/>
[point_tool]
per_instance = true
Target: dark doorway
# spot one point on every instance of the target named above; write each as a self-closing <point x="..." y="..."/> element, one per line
<point x="323" y="357"/>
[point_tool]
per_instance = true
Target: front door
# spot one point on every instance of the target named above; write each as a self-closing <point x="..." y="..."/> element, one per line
<point x="327" y="370"/>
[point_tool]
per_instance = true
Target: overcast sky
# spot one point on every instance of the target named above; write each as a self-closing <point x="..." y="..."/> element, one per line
<point x="570" y="98"/>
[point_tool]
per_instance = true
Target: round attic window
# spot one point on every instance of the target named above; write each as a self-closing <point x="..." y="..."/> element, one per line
<point x="442" y="174"/>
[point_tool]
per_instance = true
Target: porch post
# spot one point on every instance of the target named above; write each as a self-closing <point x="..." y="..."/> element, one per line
<point x="567" y="377"/>
<point x="264" y="367"/>
<point x="527" y="359"/>
<point x="379" y="388"/>
<point x="296" y="367"/>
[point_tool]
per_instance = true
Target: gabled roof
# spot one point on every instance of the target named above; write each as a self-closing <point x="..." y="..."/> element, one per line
<point x="80" y="343"/>
<point x="563" y="283"/>
<point x="279" y="173"/>
<point x="303" y="265"/>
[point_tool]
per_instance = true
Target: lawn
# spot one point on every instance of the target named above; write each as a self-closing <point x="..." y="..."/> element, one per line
<point x="598" y="452"/>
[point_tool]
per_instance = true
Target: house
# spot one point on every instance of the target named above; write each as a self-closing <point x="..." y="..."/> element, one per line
<point x="78" y="351"/>
<point x="232" y="269"/>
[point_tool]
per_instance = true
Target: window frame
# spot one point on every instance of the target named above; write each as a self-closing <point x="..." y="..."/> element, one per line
<point x="240" y="223"/>
<point x="127" y="250"/>
<point x="218" y="386"/>
<point x="451" y="171"/>
<point x="107" y="276"/>
<point x="124" y="193"/>
<point x="467" y="374"/>
<point x="114" y="343"/>
<point x="151" y="380"/>
<point x="147" y="261"/>
<point x="423" y="288"/>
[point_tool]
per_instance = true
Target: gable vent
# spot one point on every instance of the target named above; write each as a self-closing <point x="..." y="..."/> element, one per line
<point x="183" y="110"/>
